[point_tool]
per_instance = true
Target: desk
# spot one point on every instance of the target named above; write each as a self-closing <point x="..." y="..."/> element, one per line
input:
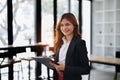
<point x="14" y="49"/>
<point x="104" y="60"/>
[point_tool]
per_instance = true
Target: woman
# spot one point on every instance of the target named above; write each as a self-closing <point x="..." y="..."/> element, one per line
<point x="70" y="50"/>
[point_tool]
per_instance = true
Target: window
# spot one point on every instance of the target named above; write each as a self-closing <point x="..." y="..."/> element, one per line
<point x="47" y="22"/>
<point x="75" y="8"/>
<point x="3" y="23"/>
<point x="86" y="23"/>
<point x="23" y="21"/>
<point x="62" y="7"/>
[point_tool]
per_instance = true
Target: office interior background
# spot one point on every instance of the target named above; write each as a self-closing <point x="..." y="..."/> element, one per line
<point x="24" y="22"/>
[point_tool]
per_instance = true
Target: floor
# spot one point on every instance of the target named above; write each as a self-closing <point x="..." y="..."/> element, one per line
<point x="102" y="75"/>
<point x="95" y="74"/>
<point x="21" y="73"/>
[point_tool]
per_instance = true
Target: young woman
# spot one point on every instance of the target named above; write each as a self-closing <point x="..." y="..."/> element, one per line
<point x="70" y="50"/>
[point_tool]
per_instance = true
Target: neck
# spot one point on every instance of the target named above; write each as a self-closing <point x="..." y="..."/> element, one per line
<point x="68" y="38"/>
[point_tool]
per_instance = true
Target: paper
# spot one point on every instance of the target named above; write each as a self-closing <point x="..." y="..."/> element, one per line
<point x="45" y="61"/>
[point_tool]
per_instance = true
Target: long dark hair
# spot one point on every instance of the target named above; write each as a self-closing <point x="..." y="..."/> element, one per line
<point x="58" y="34"/>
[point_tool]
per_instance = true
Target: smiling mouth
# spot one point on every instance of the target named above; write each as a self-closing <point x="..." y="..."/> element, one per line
<point x="65" y="31"/>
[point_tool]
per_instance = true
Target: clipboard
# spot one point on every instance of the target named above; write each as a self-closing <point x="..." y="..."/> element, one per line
<point x="45" y="61"/>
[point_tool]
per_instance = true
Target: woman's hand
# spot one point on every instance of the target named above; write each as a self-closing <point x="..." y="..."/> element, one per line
<point x="59" y="67"/>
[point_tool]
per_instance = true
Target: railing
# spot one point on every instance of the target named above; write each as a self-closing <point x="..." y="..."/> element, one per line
<point x="12" y="50"/>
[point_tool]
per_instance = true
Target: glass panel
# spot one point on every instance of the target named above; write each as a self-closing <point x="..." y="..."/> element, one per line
<point x="109" y="28"/>
<point x="118" y="16"/>
<point x="98" y="5"/>
<point x="86" y="23"/>
<point x="3" y="23"/>
<point x="3" y="36"/>
<point x="62" y="7"/>
<point x="99" y="17"/>
<point x="118" y="41"/>
<point x="118" y="28"/>
<point x="109" y="5"/>
<point x="74" y="7"/>
<point x="109" y="16"/>
<point x="47" y="22"/>
<point x="118" y="4"/>
<point x="23" y="21"/>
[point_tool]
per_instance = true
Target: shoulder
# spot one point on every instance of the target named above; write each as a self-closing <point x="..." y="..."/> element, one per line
<point x="79" y="40"/>
<point x="80" y="43"/>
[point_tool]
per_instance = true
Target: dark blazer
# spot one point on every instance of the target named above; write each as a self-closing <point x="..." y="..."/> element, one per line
<point x="76" y="63"/>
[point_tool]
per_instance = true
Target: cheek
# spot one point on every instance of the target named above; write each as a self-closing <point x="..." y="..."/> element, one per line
<point x="72" y="29"/>
<point x="60" y="28"/>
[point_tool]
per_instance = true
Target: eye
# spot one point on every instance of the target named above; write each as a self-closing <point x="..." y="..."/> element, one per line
<point x="67" y="24"/>
<point x="61" y="25"/>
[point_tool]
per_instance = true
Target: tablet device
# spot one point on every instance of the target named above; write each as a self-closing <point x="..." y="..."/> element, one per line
<point x="46" y="61"/>
<point x="54" y="62"/>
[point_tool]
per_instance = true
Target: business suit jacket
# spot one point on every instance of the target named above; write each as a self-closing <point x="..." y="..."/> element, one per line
<point x="76" y="63"/>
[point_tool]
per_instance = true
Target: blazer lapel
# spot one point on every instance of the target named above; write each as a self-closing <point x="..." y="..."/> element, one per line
<point x="70" y="49"/>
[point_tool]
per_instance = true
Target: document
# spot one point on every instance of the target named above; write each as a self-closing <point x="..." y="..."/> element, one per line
<point x="46" y="61"/>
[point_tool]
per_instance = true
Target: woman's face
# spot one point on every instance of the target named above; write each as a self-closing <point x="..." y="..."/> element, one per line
<point x="66" y="27"/>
